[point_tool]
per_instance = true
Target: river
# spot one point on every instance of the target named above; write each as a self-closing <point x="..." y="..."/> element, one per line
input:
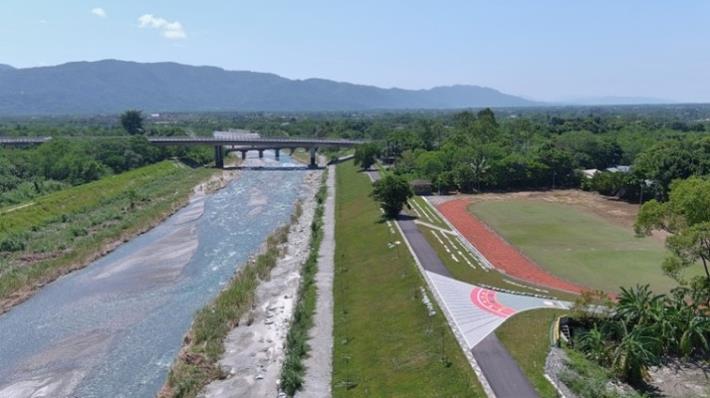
<point x="113" y="329"/>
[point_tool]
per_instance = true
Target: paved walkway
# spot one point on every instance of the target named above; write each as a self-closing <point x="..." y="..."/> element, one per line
<point x="317" y="380"/>
<point x="476" y="312"/>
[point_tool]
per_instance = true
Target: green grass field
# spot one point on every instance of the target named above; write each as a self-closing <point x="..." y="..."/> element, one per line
<point x="526" y="336"/>
<point x="577" y="245"/>
<point x="385" y="344"/>
<point x="527" y="339"/>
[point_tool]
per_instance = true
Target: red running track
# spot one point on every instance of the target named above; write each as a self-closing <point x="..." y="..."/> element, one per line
<point x="499" y="252"/>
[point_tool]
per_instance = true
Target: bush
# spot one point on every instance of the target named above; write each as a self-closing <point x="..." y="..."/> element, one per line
<point x="12" y="243"/>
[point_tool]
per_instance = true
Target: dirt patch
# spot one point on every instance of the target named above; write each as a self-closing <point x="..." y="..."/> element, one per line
<point x="681" y="379"/>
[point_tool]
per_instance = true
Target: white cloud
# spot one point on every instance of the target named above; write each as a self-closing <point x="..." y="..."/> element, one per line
<point x="169" y="30"/>
<point x="99" y="12"/>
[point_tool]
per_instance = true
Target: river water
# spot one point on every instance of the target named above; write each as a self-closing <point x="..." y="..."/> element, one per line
<point x="113" y="328"/>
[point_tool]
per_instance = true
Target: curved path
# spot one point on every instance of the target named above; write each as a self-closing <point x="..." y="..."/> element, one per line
<point x="475" y="313"/>
<point x="500" y="253"/>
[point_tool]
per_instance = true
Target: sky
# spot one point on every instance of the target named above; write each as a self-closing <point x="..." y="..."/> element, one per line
<point x="541" y="49"/>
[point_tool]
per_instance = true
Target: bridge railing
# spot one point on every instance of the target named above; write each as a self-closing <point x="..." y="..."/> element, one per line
<point x="23" y="140"/>
<point x="262" y="140"/>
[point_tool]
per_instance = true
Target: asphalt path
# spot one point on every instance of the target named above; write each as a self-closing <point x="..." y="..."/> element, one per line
<point x="501" y="371"/>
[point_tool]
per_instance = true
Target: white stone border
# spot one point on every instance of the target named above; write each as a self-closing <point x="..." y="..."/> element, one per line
<point x="559" y="391"/>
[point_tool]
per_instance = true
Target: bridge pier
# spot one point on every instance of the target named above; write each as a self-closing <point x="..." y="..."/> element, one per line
<point x="218" y="156"/>
<point x="277" y="153"/>
<point x="244" y="155"/>
<point x="313" y="163"/>
<point x="261" y="153"/>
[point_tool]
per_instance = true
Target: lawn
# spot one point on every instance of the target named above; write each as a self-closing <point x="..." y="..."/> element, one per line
<point x="577" y="245"/>
<point x="385" y="344"/>
<point x="526" y="337"/>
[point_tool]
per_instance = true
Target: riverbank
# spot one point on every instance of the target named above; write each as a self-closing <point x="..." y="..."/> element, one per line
<point x="235" y="346"/>
<point x="67" y="230"/>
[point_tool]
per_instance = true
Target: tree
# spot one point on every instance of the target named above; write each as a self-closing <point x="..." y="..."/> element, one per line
<point x="687" y="217"/>
<point x="668" y="161"/>
<point x="480" y="168"/>
<point x="463" y="177"/>
<point x="392" y="192"/>
<point x="365" y="155"/>
<point x="132" y="122"/>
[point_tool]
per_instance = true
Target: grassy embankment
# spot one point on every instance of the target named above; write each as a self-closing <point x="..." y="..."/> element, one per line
<point x="462" y="264"/>
<point x="385" y="343"/>
<point x="526" y="336"/>
<point x="577" y="245"/>
<point x="297" y="339"/>
<point x="196" y="365"/>
<point x="65" y="230"/>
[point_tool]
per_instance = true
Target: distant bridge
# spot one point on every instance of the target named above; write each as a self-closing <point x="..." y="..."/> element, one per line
<point x="241" y="144"/>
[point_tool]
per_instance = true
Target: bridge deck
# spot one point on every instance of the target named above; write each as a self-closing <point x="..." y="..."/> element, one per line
<point x="264" y="142"/>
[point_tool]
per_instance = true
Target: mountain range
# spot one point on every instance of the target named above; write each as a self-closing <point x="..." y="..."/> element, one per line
<point x="112" y="86"/>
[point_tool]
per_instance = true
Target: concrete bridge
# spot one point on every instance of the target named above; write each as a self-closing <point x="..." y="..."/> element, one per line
<point x="221" y="145"/>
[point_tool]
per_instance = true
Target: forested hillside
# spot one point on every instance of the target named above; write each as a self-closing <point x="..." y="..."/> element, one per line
<point x="112" y="86"/>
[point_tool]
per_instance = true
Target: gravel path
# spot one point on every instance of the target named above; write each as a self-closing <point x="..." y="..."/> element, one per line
<point x="319" y="364"/>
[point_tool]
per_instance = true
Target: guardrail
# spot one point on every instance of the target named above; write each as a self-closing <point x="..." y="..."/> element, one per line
<point x="23" y="140"/>
<point x="253" y="141"/>
<point x="205" y="140"/>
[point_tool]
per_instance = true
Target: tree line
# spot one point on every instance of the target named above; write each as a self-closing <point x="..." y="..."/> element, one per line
<point x="65" y="161"/>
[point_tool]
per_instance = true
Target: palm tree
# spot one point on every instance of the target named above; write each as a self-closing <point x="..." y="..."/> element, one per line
<point x="663" y="320"/>
<point x="695" y="335"/>
<point x="593" y="344"/>
<point x="636" y="350"/>
<point x="635" y="304"/>
<point x="479" y="167"/>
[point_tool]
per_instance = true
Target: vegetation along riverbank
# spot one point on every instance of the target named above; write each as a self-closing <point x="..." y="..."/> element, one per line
<point x="236" y="345"/>
<point x="66" y="230"/>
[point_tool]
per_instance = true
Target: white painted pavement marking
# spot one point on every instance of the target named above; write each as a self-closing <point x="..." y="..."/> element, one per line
<point x="475" y="323"/>
<point x="472" y="322"/>
<point x="411" y="206"/>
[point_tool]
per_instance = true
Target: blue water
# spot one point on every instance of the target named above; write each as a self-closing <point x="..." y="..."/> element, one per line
<point x="113" y="328"/>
